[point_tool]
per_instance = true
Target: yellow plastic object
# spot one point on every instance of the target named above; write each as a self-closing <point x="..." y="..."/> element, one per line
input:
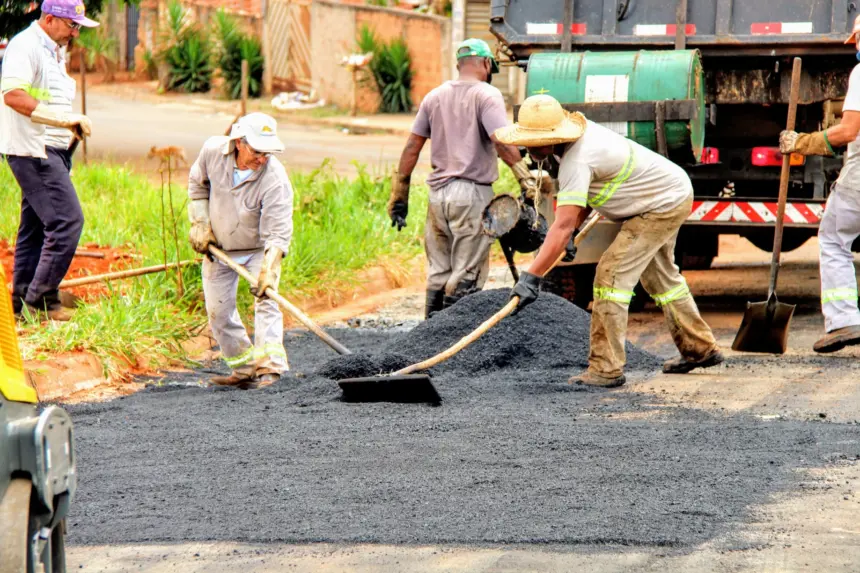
<point x="13" y="383"/>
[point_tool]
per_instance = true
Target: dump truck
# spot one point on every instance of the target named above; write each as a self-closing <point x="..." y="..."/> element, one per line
<point x="706" y="84"/>
<point x="37" y="465"/>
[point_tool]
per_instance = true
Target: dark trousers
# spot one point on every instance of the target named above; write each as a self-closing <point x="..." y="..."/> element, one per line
<point x="50" y="228"/>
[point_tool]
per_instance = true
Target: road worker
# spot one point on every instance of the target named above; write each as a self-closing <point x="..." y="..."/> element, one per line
<point x="242" y="201"/>
<point x="651" y="197"/>
<point x="37" y="127"/>
<point x="840" y="225"/>
<point x="459" y="117"/>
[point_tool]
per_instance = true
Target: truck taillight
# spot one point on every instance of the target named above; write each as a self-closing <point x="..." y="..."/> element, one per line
<point x="710" y="155"/>
<point x="771" y="157"/>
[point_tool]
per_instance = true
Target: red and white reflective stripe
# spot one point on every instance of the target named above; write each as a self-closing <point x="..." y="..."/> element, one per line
<point x="763" y="28"/>
<point x="554" y="28"/>
<point x="661" y="29"/>
<point x="755" y="212"/>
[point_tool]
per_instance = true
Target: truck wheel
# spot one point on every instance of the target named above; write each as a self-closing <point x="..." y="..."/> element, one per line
<point x="574" y="283"/>
<point x="15" y="517"/>
<point x="792" y="239"/>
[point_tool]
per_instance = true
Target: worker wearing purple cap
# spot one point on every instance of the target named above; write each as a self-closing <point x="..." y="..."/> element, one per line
<point x="37" y="126"/>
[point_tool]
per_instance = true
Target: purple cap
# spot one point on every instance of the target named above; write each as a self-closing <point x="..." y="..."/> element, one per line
<point x="70" y="9"/>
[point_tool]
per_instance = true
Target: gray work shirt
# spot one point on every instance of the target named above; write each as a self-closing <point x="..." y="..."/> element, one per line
<point x="255" y="214"/>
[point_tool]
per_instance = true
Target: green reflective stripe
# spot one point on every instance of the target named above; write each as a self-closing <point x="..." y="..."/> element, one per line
<point x="240" y="360"/>
<point x="677" y="293"/>
<point x="834" y="294"/>
<point x="271" y="349"/>
<point x="613" y="294"/>
<point x="578" y="198"/>
<point x="610" y="188"/>
<point x="9" y="84"/>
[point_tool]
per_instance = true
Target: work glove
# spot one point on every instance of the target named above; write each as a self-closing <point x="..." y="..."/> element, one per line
<point x="78" y="123"/>
<point x="201" y="234"/>
<point x="268" y="277"/>
<point x="570" y="250"/>
<point x="527" y="289"/>
<point x="804" y="143"/>
<point x="528" y="182"/>
<point x="398" y="204"/>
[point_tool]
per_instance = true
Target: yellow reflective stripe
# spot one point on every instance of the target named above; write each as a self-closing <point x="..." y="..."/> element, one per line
<point x="834" y="294"/>
<point x="240" y="360"/>
<point x="677" y="293"/>
<point x="271" y="349"/>
<point x="9" y="84"/>
<point x="613" y="294"/>
<point x="610" y="188"/>
<point x="577" y="198"/>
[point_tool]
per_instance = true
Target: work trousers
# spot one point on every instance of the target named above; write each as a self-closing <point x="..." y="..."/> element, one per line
<point x="458" y="253"/>
<point x="220" y="283"/>
<point x="49" y="230"/>
<point x="644" y="250"/>
<point x="839" y="227"/>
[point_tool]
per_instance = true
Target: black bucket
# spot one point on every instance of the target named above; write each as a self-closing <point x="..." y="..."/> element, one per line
<point x="516" y="223"/>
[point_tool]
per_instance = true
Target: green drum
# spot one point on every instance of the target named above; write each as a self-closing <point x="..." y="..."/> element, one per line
<point x="646" y="75"/>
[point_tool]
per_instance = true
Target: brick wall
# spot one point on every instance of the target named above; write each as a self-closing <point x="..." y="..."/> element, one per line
<point x="334" y="26"/>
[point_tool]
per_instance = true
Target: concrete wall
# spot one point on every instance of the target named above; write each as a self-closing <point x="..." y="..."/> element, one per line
<point x="334" y="27"/>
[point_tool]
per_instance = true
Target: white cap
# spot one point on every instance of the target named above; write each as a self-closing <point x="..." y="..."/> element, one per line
<point x="260" y="131"/>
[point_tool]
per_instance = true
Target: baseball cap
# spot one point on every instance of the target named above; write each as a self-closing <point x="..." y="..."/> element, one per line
<point x="476" y="47"/>
<point x="260" y="131"/>
<point x="71" y="9"/>
<point x="853" y="37"/>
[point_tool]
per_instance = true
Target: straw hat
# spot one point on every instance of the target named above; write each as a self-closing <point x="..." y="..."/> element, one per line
<point x="542" y="121"/>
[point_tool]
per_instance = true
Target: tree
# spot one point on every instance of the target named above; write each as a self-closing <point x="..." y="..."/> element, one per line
<point x="15" y="15"/>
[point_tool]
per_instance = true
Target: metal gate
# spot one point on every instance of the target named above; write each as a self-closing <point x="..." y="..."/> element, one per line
<point x="132" y="18"/>
<point x="290" y="31"/>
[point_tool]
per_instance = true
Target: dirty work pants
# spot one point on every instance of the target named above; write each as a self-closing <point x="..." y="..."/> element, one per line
<point x="644" y="250"/>
<point x="839" y="227"/>
<point x="458" y="253"/>
<point x="49" y="230"/>
<point x="219" y="288"/>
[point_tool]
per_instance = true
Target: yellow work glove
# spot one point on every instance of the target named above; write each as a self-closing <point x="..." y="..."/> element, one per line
<point x="527" y="181"/>
<point x="805" y="143"/>
<point x="201" y="234"/>
<point x="80" y="124"/>
<point x="398" y="203"/>
<point x="268" y="277"/>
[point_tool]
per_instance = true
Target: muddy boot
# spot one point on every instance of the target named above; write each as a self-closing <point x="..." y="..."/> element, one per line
<point x="434" y="303"/>
<point x="681" y="365"/>
<point x="264" y="378"/>
<point x="236" y="379"/>
<point x="55" y="312"/>
<point x="838" y="339"/>
<point x="588" y="378"/>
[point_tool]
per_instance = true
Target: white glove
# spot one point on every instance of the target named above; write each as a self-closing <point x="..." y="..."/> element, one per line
<point x="80" y="124"/>
<point x="268" y="277"/>
<point x="201" y="235"/>
<point x="788" y="142"/>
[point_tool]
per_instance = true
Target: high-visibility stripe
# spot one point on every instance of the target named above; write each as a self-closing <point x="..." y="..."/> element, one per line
<point x="662" y="30"/>
<point x="554" y="28"/>
<point x="271" y="349"/>
<point x="835" y="294"/>
<point x="578" y="198"/>
<point x="9" y="84"/>
<point x="613" y="294"/>
<point x="764" y="28"/>
<point x="240" y="360"/>
<point x="677" y="293"/>
<point x="610" y="188"/>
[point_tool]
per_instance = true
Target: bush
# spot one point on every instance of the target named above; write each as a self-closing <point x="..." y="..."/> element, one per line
<point x="390" y="71"/>
<point x="233" y="46"/>
<point x="186" y="53"/>
<point x="99" y="50"/>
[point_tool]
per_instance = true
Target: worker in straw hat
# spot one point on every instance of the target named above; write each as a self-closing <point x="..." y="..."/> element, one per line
<point x="242" y="201"/>
<point x="651" y="197"/>
<point x="840" y="225"/>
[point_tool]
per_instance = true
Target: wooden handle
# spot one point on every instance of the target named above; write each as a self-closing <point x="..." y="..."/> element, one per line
<point x="794" y="95"/>
<point x="284" y="303"/>
<point x="490" y="322"/>
<point x="123" y="274"/>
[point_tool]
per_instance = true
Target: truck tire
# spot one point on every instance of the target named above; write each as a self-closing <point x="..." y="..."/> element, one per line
<point x="575" y="283"/>
<point x="14" y="515"/>
<point x="792" y="239"/>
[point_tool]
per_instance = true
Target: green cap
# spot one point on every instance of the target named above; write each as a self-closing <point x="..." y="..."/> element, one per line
<point x="477" y="48"/>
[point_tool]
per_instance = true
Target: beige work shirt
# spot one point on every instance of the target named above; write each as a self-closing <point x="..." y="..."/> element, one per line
<point x="255" y="214"/>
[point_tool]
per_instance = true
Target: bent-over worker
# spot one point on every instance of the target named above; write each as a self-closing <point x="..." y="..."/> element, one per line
<point x="651" y="197"/>
<point x="459" y="117"/>
<point x="36" y="130"/>
<point x="840" y="225"/>
<point x="242" y="202"/>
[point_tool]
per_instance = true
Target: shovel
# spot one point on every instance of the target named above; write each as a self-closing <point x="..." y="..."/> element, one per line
<point x="404" y="385"/>
<point x="764" y="327"/>
<point x="282" y="302"/>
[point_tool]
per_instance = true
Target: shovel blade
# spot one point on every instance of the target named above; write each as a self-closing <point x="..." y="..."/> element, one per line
<point x="413" y="388"/>
<point x="764" y="328"/>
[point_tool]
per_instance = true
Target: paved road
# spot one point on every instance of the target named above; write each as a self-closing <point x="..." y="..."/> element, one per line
<point x="124" y="130"/>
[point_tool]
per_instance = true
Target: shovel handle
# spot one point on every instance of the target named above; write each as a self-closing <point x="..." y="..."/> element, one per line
<point x="794" y="95"/>
<point x="490" y="322"/>
<point x="282" y="302"/>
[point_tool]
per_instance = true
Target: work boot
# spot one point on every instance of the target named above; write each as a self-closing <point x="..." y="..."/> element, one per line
<point x="433" y="303"/>
<point x="56" y="312"/>
<point x="236" y="379"/>
<point x="681" y="365"/>
<point x="264" y="378"/>
<point x="589" y="378"/>
<point x="838" y="339"/>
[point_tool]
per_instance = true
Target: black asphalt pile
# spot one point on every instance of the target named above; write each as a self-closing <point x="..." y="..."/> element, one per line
<point x="549" y="337"/>
<point x="507" y="458"/>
